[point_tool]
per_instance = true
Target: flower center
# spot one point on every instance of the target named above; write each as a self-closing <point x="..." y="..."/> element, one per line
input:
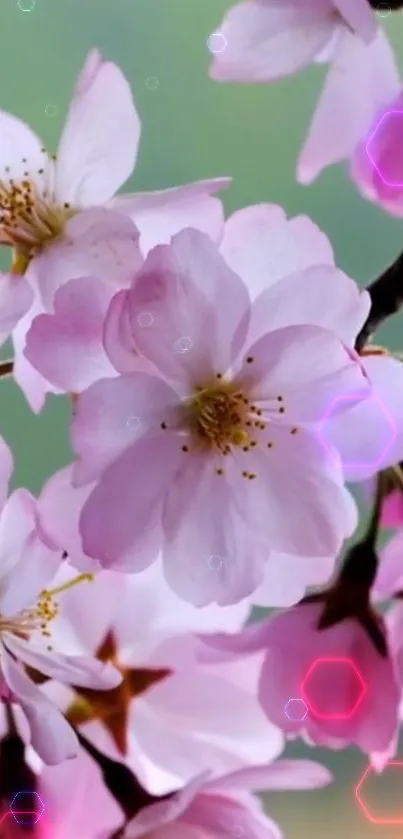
<point x="38" y="618"/>
<point x="29" y="218"/>
<point x="219" y="416"/>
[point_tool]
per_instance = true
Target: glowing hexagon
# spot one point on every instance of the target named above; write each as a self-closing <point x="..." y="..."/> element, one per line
<point x="296" y="709"/>
<point x="366" y="808"/>
<point x="320" y="664"/>
<point x="386" y="118"/>
<point x="390" y="431"/>
<point x="25" y="814"/>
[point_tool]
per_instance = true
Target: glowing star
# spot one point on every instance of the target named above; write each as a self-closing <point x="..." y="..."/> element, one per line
<point x="366" y="807"/>
<point x="23" y="815"/>
<point x="296" y="710"/>
<point x="390" y="122"/>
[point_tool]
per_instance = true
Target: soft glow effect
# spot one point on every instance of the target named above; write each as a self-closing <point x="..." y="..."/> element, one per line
<point x="339" y="662"/>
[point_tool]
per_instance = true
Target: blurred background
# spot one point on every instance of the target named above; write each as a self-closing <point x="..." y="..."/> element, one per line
<point x="194" y="128"/>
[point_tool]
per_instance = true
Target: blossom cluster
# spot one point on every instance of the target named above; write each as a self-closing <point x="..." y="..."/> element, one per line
<point x="225" y="392"/>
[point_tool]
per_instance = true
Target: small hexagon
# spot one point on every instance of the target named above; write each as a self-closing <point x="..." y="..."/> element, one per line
<point x="296" y="709"/>
<point x="21" y="808"/>
<point x="308" y="683"/>
<point x="386" y="118"/>
<point x="366" y="807"/>
<point x="390" y="431"/>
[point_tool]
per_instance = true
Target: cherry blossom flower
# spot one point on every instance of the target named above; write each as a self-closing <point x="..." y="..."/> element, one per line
<point x="27" y="610"/>
<point x="222" y="807"/>
<point x="49" y="202"/>
<point x="376" y="165"/>
<point x="342" y="708"/>
<point x="168" y="719"/>
<point x="268" y="40"/>
<point x="213" y="417"/>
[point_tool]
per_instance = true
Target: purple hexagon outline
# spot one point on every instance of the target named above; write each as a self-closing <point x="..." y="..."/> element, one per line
<point x="301" y="701"/>
<point x="28" y="812"/>
<point x="375" y="131"/>
<point x="350" y="464"/>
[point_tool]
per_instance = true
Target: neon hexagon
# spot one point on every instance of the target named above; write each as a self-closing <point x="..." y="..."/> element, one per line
<point x="18" y="811"/>
<point x="365" y="806"/>
<point x="390" y="427"/>
<point x="344" y="664"/>
<point x="296" y="709"/>
<point x="387" y="117"/>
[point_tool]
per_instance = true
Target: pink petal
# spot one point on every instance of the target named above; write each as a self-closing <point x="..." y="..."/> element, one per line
<point x="98" y="147"/>
<point x="51" y="736"/>
<point x="6" y="470"/>
<point x="112" y="414"/>
<point x="96" y="243"/>
<point x="159" y="215"/>
<point x="220" y="816"/>
<point x="279" y="775"/>
<point x="81" y="671"/>
<point x="361" y="80"/>
<point x="163" y="812"/>
<point x="58" y="511"/>
<point x="16" y="297"/>
<point x="207" y="538"/>
<point x="131" y="532"/>
<point x="118" y="338"/>
<point x="27" y="565"/>
<point x="296" y="474"/>
<point x="67" y="347"/>
<point x="34" y="386"/>
<point x="287" y="577"/>
<point x="303" y="298"/>
<point x="266" y="42"/>
<point x="262" y="246"/>
<point x="389" y="579"/>
<point x="359" y="17"/>
<point x="309" y="368"/>
<point x="20" y="151"/>
<point x="369" y="437"/>
<point x="188" y="310"/>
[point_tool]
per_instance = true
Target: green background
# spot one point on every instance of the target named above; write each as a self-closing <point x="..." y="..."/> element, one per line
<point x="194" y="128"/>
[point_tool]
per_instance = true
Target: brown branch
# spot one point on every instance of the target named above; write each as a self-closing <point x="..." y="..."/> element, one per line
<point x="386" y="294"/>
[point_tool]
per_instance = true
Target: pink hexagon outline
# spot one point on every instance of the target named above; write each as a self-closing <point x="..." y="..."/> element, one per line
<point x="296" y="699"/>
<point x="350" y="464"/>
<point x="333" y="660"/>
<point x="27" y="812"/>
<point x="375" y="131"/>
<point x="365" y="809"/>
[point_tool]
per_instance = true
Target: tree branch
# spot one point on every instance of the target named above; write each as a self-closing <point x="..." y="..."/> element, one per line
<point x="386" y="294"/>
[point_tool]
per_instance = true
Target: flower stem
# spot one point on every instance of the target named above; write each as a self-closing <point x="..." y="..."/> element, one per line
<point x="386" y="294"/>
<point x="6" y="368"/>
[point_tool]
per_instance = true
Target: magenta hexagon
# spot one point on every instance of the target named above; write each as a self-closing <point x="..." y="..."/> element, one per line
<point x="388" y="424"/>
<point x="296" y="709"/>
<point x="346" y="663"/>
<point x="18" y="810"/>
<point x="387" y="117"/>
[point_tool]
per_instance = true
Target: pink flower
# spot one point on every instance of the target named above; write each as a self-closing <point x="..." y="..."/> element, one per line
<point x="64" y="221"/>
<point x="224" y="437"/>
<point x="219" y="808"/>
<point x="376" y="166"/>
<point x="265" y="41"/>
<point x="350" y="692"/>
<point x="169" y="717"/>
<point x="27" y="610"/>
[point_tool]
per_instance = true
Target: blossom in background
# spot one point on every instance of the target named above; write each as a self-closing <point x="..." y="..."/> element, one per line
<point x="274" y="38"/>
<point x="168" y="719"/>
<point x="50" y="203"/>
<point x="376" y="165"/>
<point x="225" y="806"/>
<point x="27" y="610"/>
<point x="350" y="689"/>
<point x="211" y="808"/>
